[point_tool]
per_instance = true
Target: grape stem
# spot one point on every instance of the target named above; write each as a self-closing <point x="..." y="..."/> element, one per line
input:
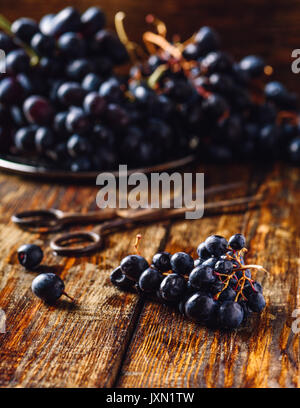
<point x="137" y="243"/>
<point x="134" y="50"/>
<point x="151" y="38"/>
<point x="68" y="296"/>
<point x="237" y="255"/>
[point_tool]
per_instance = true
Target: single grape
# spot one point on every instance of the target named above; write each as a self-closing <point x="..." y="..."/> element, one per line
<point x="118" y="279"/>
<point x="182" y="263"/>
<point x="161" y="261"/>
<point x="172" y="287"/>
<point x="216" y="245"/>
<point x="150" y="280"/>
<point x="230" y="315"/>
<point x="200" y="307"/>
<point x="30" y="255"/>
<point x="133" y="266"/>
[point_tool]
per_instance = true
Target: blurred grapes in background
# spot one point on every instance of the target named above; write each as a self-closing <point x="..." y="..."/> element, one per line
<point x="270" y="29"/>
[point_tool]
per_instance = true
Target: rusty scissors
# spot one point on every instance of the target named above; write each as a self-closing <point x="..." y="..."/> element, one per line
<point x="53" y="220"/>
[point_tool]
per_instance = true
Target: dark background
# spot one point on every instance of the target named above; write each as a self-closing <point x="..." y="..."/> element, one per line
<point x="268" y="28"/>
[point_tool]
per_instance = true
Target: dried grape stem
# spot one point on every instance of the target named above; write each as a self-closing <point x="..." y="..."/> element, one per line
<point x="156" y="75"/>
<point x="161" y="42"/>
<point x="133" y="49"/>
<point x="160" y="25"/>
<point x="68" y="296"/>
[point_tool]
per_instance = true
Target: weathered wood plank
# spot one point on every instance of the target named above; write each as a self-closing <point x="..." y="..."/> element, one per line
<point x="169" y="351"/>
<point x="63" y="346"/>
<point x="85" y="346"/>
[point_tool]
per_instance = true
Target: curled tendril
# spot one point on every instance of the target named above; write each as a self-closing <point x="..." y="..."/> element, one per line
<point x="160" y="25"/>
<point x="134" y="50"/>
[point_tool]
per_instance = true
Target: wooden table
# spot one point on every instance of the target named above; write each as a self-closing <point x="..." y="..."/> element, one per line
<point x="113" y="338"/>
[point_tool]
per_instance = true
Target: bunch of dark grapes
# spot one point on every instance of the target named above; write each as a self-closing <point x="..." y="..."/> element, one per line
<point x="62" y="104"/>
<point x="60" y="101"/>
<point x="215" y="290"/>
<point x="228" y="109"/>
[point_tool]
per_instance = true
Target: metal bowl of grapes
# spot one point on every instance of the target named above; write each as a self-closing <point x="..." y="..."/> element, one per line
<point x="78" y="98"/>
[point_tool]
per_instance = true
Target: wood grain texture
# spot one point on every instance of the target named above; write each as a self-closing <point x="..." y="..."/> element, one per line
<point x="63" y="346"/>
<point x="169" y="351"/>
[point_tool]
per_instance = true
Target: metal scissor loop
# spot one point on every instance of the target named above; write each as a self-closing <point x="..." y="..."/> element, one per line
<point x="53" y="220"/>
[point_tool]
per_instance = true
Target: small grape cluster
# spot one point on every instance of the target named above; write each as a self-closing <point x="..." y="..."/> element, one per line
<point x="216" y="289"/>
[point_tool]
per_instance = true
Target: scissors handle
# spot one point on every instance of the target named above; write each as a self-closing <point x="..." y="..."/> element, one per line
<point x="62" y="244"/>
<point x="39" y="220"/>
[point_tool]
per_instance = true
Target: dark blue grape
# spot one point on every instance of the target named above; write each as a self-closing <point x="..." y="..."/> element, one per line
<point x="48" y="287"/>
<point x="77" y="69"/>
<point x="78" y="121"/>
<point x="17" y="61"/>
<point x="71" y="45"/>
<point x="93" y="20"/>
<point x="181" y="263"/>
<point x="67" y="20"/>
<point x="256" y="302"/>
<point x="150" y="280"/>
<point x="44" y="139"/>
<point x="172" y="287"/>
<point x="81" y="164"/>
<point x="91" y="82"/>
<point x="230" y="315"/>
<point x="118" y="279"/>
<point x="24" y="28"/>
<point x="224" y="266"/>
<point x="24" y="138"/>
<point x="200" y="307"/>
<point x="30" y="256"/>
<point x="110" y="90"/>
<point x="43" y="44"/>
<point x="78" y="145"/>
<point x="237" y="242"/>
<point x="161" y="261"/>
<point x="202" y="251"/>
<point x="294" y="150"/>
<point x="94" y="104"/>
<point x="71" y="93"/>
<point x="38" y="110"/>
<point x="207" y="40"/>
<point x="202" y="275"/>
<point x="216" y="245"/>
<point x="252" y="65"/>
<point x="133" y="266"/>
